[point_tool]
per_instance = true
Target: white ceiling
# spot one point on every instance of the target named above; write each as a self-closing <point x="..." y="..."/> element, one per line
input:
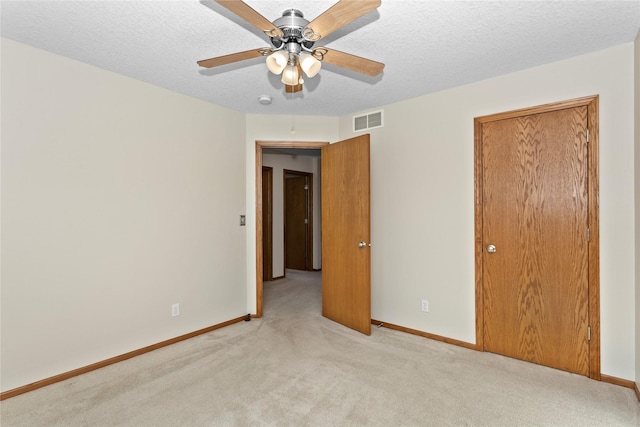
<point x="427" y="46"/>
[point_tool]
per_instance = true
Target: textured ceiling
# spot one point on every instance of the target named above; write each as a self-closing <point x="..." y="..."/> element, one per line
<point x="427" y="46"/>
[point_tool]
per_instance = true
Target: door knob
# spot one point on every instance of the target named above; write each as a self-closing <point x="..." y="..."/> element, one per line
<point x="491" y="249"/>
<point x="362" y="245"/>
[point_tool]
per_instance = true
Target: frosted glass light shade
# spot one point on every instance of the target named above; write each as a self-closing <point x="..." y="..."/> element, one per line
<point x="277" y="61"/>
<point x="290" y="75"/>
<point x="310" y="65"/>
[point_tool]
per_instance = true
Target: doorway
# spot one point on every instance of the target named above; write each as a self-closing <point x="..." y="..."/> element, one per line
<point x="346" y="222"/>
<point x="537" y="235"/>
<point x="260" y="145"/>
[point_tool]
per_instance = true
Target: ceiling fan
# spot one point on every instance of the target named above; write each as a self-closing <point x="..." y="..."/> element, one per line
<point x="292" y="38"/>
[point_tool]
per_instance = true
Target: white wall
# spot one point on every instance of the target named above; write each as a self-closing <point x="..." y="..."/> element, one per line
<point x="300" y="163"/>
<point x="264" y="127"/>
<point x="118" y="199"/>
<point x="422" y="197"/>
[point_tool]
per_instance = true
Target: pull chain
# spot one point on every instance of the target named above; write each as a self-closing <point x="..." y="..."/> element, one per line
<point x="293" y="123"/>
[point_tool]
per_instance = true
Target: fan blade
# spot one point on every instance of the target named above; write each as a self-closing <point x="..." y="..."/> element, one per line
<point x="348" y="61"/>
<point x="234" y="57"/>
<point x="337" y="16"/>
<point x="247" y="13"/>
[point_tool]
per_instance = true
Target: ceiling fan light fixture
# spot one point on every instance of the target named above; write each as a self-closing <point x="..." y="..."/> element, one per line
<point x="310" y="65"/>
<point x="290" y="75"/>
<point x="292" y="37"/>
<point x="277" y="61"/>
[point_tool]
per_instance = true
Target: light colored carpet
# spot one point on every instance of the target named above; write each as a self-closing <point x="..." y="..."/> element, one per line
<point x="294" y="367"/>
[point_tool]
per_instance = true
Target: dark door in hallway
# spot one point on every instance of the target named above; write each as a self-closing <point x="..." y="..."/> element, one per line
<point x="297" y="220"/>
<point x="267" y="223"/>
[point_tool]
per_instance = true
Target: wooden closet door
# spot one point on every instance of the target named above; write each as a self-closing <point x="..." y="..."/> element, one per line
<point x="535" y="237"/>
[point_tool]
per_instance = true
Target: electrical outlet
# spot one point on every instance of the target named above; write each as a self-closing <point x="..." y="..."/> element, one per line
<point x="425" y="305"/>
<point x="175" y="310"/>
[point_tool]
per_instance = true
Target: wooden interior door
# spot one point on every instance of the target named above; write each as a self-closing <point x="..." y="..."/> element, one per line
<point x="535" y="232"/>
<point x="346" y="255"/>
<point x="296" y="221"/>
<point x="267" y="223"/>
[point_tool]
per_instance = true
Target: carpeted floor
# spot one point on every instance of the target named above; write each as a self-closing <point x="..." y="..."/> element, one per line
<point x="295" y="368"/>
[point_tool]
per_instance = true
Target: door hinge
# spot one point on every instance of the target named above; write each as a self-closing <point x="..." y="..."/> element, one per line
<point x="589" y="333"/>
<point x="306" y="221"/>
<point x="306" y="187"/>
<point x="588" y="234"/>
<point x="588" y="135"/>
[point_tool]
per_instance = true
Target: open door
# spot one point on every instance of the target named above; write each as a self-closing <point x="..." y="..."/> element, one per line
<point x="346" y="255"/>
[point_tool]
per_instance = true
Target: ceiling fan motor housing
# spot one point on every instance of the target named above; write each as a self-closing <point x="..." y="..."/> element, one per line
<point x="292" y="24"/>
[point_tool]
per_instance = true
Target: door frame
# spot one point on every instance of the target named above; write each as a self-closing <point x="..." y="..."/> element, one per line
<point x="259" y="256"/>
<point x="591" y="102"/>
<point x="309" y="209"/>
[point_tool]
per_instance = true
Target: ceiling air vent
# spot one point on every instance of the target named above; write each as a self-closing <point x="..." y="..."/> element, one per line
<point x="367" y="121"/>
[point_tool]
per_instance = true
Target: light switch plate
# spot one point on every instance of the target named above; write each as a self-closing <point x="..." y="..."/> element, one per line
<point x="243" y="220"/>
